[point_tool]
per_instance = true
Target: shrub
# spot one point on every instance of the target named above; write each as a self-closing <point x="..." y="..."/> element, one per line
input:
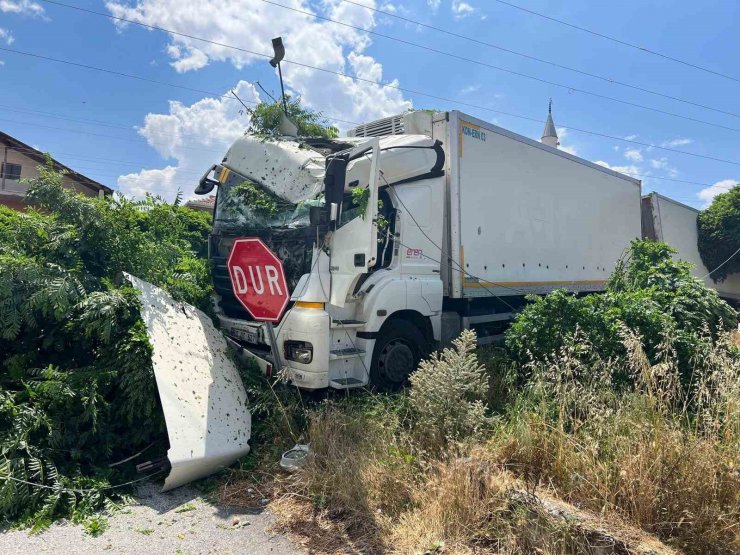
<point x="448" y="392"/>
<point x="649" y="292"/>
<point x="719" y="234"/>
<point x="77" y="390"/>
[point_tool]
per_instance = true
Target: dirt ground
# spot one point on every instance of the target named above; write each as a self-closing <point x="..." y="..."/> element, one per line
<point x="176" y="522"/>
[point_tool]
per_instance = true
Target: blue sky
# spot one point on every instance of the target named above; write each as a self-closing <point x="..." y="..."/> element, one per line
<point x="139" y="136"/>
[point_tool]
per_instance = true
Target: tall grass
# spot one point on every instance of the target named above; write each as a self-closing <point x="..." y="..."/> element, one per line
<point x="648" y="457"/>
<point x="658" y="455"/>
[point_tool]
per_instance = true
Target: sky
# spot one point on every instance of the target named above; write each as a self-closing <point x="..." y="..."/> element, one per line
<point x="162" y="113"/>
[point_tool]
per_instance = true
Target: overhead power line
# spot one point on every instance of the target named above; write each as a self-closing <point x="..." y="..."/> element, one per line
<point x="109" y="161"/>
<point x="620" y="41"/>
<point x="521" y="54"/>
<point x="403" y="41"/>
<point x="380" y="84"/>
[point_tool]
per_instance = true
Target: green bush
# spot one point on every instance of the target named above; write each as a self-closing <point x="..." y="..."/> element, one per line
<point x="77" y="390"/>
<point x="649" y="292"/>
<point x="719" y="234"/>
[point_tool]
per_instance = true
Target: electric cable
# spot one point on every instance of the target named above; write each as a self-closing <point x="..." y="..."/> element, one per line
<point x="620" y="41"/>
<point x="569" y="88"/>
<point x="718" y="267"/>
<point x="108" y="124"/>
<point x="530" y="57"/>
<point x="396" y="87"/>
<point x="428" y="48"/>
<point x="480" y="281"/>
<point x="81" y="491"/>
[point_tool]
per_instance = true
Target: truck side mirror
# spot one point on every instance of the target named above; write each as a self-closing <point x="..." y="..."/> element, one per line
<point x="314" y="215"/>
<point x="206" y="185"/>
<point x="336" y="174"/>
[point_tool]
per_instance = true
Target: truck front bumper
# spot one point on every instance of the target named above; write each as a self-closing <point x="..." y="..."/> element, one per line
<point x="307" y="325"/>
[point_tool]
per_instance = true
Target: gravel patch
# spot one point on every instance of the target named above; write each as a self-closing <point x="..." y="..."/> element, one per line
<point x="176" y="522"/>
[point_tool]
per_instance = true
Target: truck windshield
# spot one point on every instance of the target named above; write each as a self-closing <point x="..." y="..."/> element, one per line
<point x="244" y="203"/>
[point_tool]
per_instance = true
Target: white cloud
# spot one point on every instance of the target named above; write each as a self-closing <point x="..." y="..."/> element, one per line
<point x="631" y="137"/>
<point x="27" y="7"/>
<point x="251" y="24"/>
<point x="195" y="136"/>
<point x="562" y="134"/>
<point x="633" y="155"/>
<point x="461" y="9"/>
<point x="706" y="195"/>
<point x="434" y="4"/>
<point x="470" y="89"/>
<point x="6" y="36"/>
<point x="676" y="142"/>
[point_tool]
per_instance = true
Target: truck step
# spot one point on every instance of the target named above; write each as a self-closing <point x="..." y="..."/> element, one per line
<point x="345" y="383"/>
<point x="346" y="324"/>
<point x="345" y="353"/>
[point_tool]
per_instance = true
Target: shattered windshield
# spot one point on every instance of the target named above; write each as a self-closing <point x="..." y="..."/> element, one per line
<point x="246" y="204"/>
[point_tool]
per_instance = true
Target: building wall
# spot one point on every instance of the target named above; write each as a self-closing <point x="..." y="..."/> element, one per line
<point x="13" y="191"/>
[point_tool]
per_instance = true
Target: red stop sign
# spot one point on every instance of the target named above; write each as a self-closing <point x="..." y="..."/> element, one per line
<point x="258" y="279"/>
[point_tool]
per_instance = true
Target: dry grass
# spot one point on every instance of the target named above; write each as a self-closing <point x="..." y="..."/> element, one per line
<point x="662" y="457"/>
<point x="655" y="461"/>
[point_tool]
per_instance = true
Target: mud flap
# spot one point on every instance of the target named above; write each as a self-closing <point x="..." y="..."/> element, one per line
<point x="203" y="398"/>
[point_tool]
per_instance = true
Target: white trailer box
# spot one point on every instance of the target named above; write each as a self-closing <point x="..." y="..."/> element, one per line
<point x="525" y="217"/>
<point x="669" y="221"/>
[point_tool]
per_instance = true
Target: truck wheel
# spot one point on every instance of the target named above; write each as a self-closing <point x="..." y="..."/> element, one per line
<point x="397" y="353"/>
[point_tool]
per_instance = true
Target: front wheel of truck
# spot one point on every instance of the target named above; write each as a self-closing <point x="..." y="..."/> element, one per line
<point x="398" y="350"/>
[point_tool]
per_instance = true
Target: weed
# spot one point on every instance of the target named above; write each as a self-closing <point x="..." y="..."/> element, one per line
<point x="95" y="526"/>
<point x="186" y="508"/>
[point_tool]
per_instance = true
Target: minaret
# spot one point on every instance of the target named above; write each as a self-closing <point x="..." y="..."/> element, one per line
<point x="550" y="135"/>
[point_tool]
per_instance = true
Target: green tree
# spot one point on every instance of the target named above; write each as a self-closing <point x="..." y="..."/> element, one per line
<point x="77" y="389"/>
<point x="719" y="234"/>
<point x="265" y="120"/>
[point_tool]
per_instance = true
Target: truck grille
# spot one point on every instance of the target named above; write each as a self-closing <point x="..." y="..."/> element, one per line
<point x="222" y="285"/>
<point x="379" y="128"/>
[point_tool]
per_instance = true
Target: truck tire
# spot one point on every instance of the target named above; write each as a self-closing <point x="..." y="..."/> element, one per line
<point x="398" y="350"/>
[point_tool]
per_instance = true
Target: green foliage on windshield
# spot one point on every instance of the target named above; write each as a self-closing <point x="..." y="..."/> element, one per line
<point x="265" y="120"/>
<point x="719" y="234"/>
<point x="258" y="199"/>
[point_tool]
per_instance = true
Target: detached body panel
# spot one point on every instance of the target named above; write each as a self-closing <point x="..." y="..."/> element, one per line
<point x="203" y="398"/>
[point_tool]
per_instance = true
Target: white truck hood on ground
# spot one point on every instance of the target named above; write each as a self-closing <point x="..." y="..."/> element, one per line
<point x="203" y="398"/>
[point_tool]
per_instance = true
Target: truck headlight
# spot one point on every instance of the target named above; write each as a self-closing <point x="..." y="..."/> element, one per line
<point x="299" y="351"/>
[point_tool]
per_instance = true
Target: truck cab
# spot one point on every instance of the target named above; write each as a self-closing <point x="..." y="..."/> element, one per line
<point x="357" y="224"/>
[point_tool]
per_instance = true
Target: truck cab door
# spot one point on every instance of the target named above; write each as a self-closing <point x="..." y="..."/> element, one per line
<point x="354" y="242"/>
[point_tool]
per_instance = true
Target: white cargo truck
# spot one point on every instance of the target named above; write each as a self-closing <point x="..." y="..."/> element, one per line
<point x="411" y="228"/>
<point x="669" y="221"/>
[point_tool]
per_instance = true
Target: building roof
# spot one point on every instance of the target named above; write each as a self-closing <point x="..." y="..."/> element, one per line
<point x="40" y="157"/>
<point x="207" y="203"/>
